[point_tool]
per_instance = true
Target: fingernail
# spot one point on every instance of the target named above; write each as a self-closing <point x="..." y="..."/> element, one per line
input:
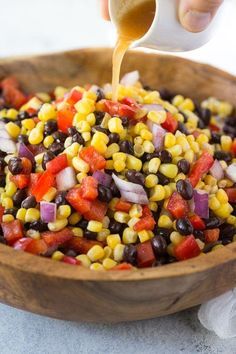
<point x="196" y="21"/>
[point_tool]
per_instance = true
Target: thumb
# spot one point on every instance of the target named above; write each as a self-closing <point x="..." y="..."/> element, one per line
<point x="196" y="15"/>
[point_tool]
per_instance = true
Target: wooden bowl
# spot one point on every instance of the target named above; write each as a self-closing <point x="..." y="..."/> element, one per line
<point x="58" y="290"/>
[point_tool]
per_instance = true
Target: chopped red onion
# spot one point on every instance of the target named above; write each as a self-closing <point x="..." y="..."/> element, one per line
<point x="216" y="170"/>
<point x="4" y="134"/>
<point x="25" y="152"/>
<point x="7" y="145"/>
<point x="131" y="192"/>
<point x="107" y="88"/>
<point x="153" y="107"/>
<point x="158" y="135"/>
<point x="231" y="172"/>
<point x="48" y="211"/>
<point x="94" y="88"/>
<point x="66" y="179"/>
<point x="102" y="178"/>
<point x="130" y="79"/>
<point x="201" y="203"/>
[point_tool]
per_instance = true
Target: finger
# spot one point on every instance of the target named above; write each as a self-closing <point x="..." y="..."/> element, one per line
<point x="196" y="15"/>
<point x="105" y="11"/>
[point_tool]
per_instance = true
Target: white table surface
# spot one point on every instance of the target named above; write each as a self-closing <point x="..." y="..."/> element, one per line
<point x="44" y="26"/>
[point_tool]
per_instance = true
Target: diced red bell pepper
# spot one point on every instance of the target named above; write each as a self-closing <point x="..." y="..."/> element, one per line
<point x="187" y="249"/>
<point x="22" y="243"/>
<point x="36" y="149"/>
<point x="9" y="81"/>
<point x="77" y="201"/>
<point x="146" y="211"/>
<point x="119" y="109"/>
<point x="71" y="260"/>
<point x="57" y="164"/>
<point x="213" y="127"/>
<point x="201" y="166"/>
<point x="97" y="211"/>
<point x="74" y="96"/>
<point x="122" y="266"/>
<point x="21" y="181"/>
<point x="55" y="239"/>
<point x="13" y="96"/>
<point x="27" y="166"/>
<point x="170" y="123"/>
<point x="37" y="247"/>
<point x="145" y="254"/>
<point x="12" y="231"/>
<point x="145" y="223"/>
<point x="45" y="182"/>
<point x="211" y="235"/>
<point x="81" y="245"/>
<point x="34" y="178"/>
<point x="231" y="193"/>
<point x="233" y="147"/>
<point x="122" y="205"/>
<point x="65" y="118"/>
<point x="89" y="188"/>
<point x="177" y="206"/>
<point x="95" y="160"/>
<point x="1" y="212"/>
<point x="197" y="222"/>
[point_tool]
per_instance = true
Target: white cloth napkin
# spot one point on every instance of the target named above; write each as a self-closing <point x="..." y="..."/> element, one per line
<point x="219" y="315"/>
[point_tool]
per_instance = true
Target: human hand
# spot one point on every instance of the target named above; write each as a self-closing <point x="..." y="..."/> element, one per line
<point x="194" y="15"/>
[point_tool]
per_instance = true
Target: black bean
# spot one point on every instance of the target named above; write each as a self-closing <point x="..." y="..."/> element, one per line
<point x="184" y="226"/>
<point x="100" y="129"/>
<point x="227" y="231"/>
<point x="113" y="138"/>
<point x="23" y="115"/>
<point x="165" y="156"/>
<point x="171" y="259"/>
<point x="182" y="128"/>
<point x="185" y="189"/>
<point x="165" y="94"/>
<point x="29" y="202"/>
<point x="215" y="138"/>
<point x="231" y="131"/>
<point x="56" y="148"/>
<point x="226" y="241"/>
<point x="71" y="131"/>
<point x="115" y="227"/>
<point x="11" y="211"/>
<point x="159" y="245"/>
<point x="15" y="165"/>
<point x="2" y="164"/>
<point x="104" y="194"/>
<point x="2" y="153"/>
<point x="38" y="226"/>
<point x="60" y="198"/>
<point x="209" y="246"/>
<point x="77" y="138"/>
<point x="222" y="155"/>
<point x="48" y="156"/>
<point x="59" y="136"/>
<point x="151" y="156"/>
<point x="100" y="95"/>
<point x="114" y="190"/>
<point x="204" y="114"/>
<point x="163" y="180"/>
<point x="71" y="253"/>
<point x="127" y="147"/>
<point x="183" y="166"/>
<point x="90" y="235"/>
<point x="160" y="261"/>
<point x="125" y="122"/>
<point x="199" y="234"/>
<point x="50" y="127"/>
<point x="23" y="138"/>
<point x="99" y="117"/>
<point x="18" y="197"/>
<point x="2" y="180"/>
<point x="201" y="124"/>
<point x="160" y="231"/>
<point x="130" y="254"/>
<point x="135" y="177"/>
<point x="212" y="223"/>
<point x="82" y="224"/>
<point x="231" y="121"/>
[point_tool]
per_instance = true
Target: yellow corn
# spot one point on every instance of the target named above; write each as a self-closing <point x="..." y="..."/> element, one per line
<point x="57" y="225"/>
<point x="78" y="232"/>
<point x="133" y="163"/>
<point x="94" y="226"/>
<point x="35" y="136"/>
<point x="111" y="149"/>
<point x="187" y="104"/>
<point x="113" y="240"/>
<point x="170" y="140"/>
<point x="135" y="211"/>
<point x="96" y="266"/>
<point x="129" y="236"/>
<point x="63" y="211"/>
<point x="153" y="165"/>
<point x="109" y="263"/>
<point x="12" y="129"/>
<point x="226" y="143"/>
<point x="85" y="106"/>
<point x="157" y="117"/>
<point x="83" y="127"/>
<point x="165" y="221"/>
<point x="115" y="125"/>
<point x="143" y="236"/>
<point x="20" y="215"/>
<point x="47" y="111"/>
<point x="32" y="214"/>
<point x="157" y="193"/>
<point x="80" y="165"/>
<point x="151" y="180"/>
<point x="85" y="261"/>
<point x="108" y="252"/>
<point x="95" y="253"/>
<point x="214" y="203"/>
<point x="11" y="189"/>
<point x="102" y="235"/>
<point x="222" y="196"/>
<point x="50" y="195"/>
<point x="33" y="234"/>
<point x="147" y="147"/>
<point x="74" y="218"/>
<point x="118" y="165"/>
<point x="175" y="150"/>
<point x="176" y="238"/>
<point x="57" y="256"/>
<point x="178" y="100"/>
<point x="169" y="170"/>
<point x="118" y="252"/>
<point x="29" y="124"/>
<point x="153" y="206"/>
<point x="152" y="97"/>
<point x="224" y="210"/>
<point x="119" y="156"/>
<point x="91" y="119"/>
<point x="48" y="140"/>
<point x="11" y="114"/>
<point x="7" y="218"/>
<point x="121" y="217"/>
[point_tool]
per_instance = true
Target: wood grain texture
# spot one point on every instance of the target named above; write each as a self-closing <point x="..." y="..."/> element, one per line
<point x="59" y="290"/>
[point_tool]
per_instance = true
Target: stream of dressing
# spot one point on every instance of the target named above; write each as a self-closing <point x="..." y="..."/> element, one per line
<point x="132" y="25"/>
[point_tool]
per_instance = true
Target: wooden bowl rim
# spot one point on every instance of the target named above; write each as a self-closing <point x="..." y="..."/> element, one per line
<point x="29" y="263"/>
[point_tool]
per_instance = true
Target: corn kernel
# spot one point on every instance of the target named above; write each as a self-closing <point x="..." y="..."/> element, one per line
<point x="109" y="263"/>
<point x="50" y="195"/>
<point x="151" y="97"/>
<point x="7" y="218"/>
<point x="157" y="117"/>
<point x="83" y="127"/>
<point x="118" y="165"/>
<point x="146" y="134"/>
<point x="170" y="250"/>
<point x="226" y="143"/>
<point x="224" y="211"/>
<point x="29" y="124"/>
<point x="102" y="235"/>
<point x="222" y="196"/>
<point x="77" y="231"/>
<point x="57" y="225"/>
<point x="133" y="163"/>
<point x="165" y="222"/>
<point x="33" y="234"/>
<point x="214" y="203"/>
<point x="94" y="226"/>
<point x="63" y="211"/>
<point x="178" y="100"/>
<point x="11" y="189"/>
<point x="20" y="215"/>
<point x="115" y="125"/>
<point x="176" y="238"/>
<point x="153" y="206"/>
<point x="215" y="248"/>
<point x="147" y="147"/>
<point x="154" y="165"/>
<point x="121" y="217"/>
<point x="169" y="170"/>
<point x="175" y="150"/>
<point x="119" y="156"/>
<point x="211" y="181"/>
<point x="47" y="111"/>
<point x="95" y="253"/>
<point x="113" y="240"/>
<point x="136" y="211"/>
<point x="170" y="140"/>
<point x="96" y="266"/>
<point x="57" y="256"/>
<point x="91" y="119"/>
<point x="35" y="136"/>
<point x="151" y="180"/>
<point x="108" y="252"/>
<point x="11" y="114"/>
<point x="7" y="203"/>
<point x="129" y="236"/>
<point x="231" y="220"/>
<point x="48" y="140"/>
<point x="143" y="236"/>
<point x="80" y="165"/>
<point x="85" y="261"/>
<point x="85" y="106"/>
<point x="168" y="191"/>
<point x="187" y="104"/>
<point x="157" y="193"/>
<point x="111" y="149"/>
<point x="12" y="129"/>
<point x="118" y="252"/>
<point x="32" y="214"/>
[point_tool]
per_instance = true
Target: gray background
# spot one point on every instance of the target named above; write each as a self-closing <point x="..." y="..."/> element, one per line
<point x="42" y="26"/>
